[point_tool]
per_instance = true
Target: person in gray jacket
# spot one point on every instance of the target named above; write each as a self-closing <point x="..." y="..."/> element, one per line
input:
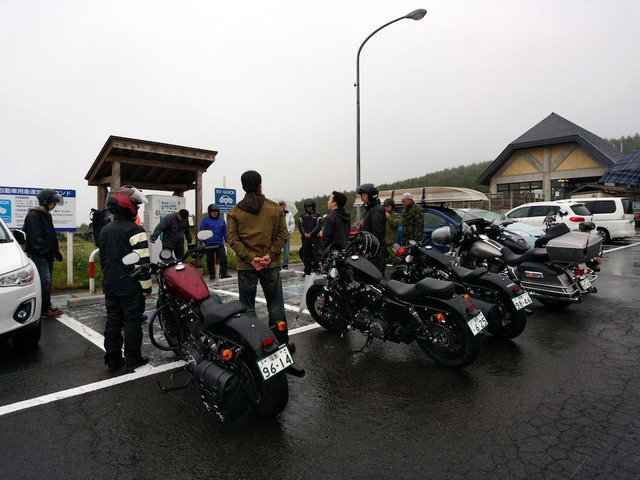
<point x="173" y="227"/>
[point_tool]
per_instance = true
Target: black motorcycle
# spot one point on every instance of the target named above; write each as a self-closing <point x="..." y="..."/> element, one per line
<point x="353" y="295"/>
<point x="235" y="359"/>
<point x="502" y="301"/>
<point x="557" y="271"/>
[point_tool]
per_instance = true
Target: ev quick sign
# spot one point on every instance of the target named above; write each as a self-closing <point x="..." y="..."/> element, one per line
<point x="225" y="199"/>
<point x="15" y="202"/>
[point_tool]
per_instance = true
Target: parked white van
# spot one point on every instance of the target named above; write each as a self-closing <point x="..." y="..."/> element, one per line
<point x="612" y="215"/>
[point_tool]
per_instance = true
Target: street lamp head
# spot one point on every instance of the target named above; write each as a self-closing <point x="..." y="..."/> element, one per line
<point x="416" y="14"/>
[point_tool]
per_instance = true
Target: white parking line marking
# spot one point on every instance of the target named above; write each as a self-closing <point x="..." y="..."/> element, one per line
<point x="620" y="248"/>
<point x="91" y="335"/>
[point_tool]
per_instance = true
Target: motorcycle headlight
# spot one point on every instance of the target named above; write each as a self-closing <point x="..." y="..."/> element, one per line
<point x="333" y="273"/>
<point x="21" y="277"/>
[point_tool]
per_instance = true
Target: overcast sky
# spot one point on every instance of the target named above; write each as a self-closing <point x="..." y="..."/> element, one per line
<point x="270" y="84"/>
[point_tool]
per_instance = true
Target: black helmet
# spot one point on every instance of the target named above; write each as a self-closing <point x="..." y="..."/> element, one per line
<point x="368" y="188"/>
<point x="47" y="196"/>
<point x="213" y="208"/>
<point x="365" y="244"/>
<point x="310" y="202"/>
<point x="125" y="201"/>
<point x="388" y="201"/>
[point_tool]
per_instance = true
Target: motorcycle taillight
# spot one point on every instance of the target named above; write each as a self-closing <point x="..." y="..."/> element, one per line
<point x="578" y="271"/>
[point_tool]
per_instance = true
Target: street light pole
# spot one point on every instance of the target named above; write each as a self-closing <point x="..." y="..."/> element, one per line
<point x="415" y="15"/>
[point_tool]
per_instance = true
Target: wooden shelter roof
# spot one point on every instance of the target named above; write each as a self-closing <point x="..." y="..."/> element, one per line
<point x="149" y="165"/>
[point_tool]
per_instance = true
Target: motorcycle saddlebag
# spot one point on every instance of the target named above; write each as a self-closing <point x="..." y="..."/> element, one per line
<point x="221" y="389"/>
<point x="575" y="247"/>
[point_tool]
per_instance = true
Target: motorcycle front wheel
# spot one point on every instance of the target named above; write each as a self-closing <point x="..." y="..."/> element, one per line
<point x="449" y="342"/>
<point x="169" y="326"/>
<point x="511" y="322"/>
<point x="326" y="308"/>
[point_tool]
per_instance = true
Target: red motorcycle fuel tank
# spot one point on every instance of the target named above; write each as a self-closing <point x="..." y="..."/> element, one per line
<point x="183" y="281"/>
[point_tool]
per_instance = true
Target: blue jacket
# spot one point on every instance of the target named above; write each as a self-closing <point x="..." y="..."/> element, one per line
<point x="217" y="226"/>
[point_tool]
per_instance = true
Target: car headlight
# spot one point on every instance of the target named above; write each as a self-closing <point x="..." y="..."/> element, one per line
<point x="18" y="278"/>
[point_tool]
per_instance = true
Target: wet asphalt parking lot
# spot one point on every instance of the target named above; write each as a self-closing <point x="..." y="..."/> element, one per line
<point x="560" y="401"/>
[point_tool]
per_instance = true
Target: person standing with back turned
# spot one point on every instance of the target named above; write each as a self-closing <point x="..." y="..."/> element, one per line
<point x="257" y="231"/>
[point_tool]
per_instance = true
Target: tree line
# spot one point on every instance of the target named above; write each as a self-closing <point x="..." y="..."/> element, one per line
<point x="628" y="143"/>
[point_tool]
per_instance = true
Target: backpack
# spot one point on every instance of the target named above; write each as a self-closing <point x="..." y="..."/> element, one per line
<point x="99" y="218"/>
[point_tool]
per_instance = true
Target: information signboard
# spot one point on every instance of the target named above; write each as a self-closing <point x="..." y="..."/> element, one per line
<point x="225" y="199"/>
<point x="15" y="202"/>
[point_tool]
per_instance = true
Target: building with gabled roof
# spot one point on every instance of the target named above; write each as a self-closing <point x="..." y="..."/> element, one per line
<point x="553" y="158"/>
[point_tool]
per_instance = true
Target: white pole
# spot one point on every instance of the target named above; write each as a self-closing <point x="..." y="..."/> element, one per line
<point x="69" y="258"/>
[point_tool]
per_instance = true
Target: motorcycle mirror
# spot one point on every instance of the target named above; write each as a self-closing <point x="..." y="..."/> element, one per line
<point x="204" y="234"/>
<point x="131" y="258"/>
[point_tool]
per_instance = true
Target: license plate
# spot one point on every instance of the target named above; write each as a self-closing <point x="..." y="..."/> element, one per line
<point x="585" y="284"/>
<point x="522" y="301"/>
<point x="477" y="323"/>
<point x="275" y="363"/>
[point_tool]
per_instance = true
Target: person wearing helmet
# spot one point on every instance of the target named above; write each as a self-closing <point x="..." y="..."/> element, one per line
<point x="413" y="220"/>
<point x="310" y="225"/>
<point x="173" y="228"/>
<point x="394" y="220"/>
<point x="42" y="244"/>
<point x="375" y="219"/>
<point x="218" y="227"/>
<point x="291" y="226"/>
<point x="124" y="295"/>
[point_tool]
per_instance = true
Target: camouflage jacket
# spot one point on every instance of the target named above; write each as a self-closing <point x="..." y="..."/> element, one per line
<point x="413" y="224"/>
<point x="394" y="220"/>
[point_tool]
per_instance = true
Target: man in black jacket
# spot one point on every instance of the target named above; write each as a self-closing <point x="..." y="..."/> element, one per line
<point x="336" y="224"/>
<point x="124" y="295"/>
<point x="42" y="244"/>
<point x="310" y="225"/>
<point x="173" y="227"/>
<point x="375" y="218"/>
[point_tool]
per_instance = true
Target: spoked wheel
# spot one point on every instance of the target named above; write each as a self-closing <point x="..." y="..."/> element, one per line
<point x="326" y="309"/>
<point x="449" y="342"/>
<point x="511" y="321"/>
<point x="169" y="325"/>
<point x="266" y="398"/>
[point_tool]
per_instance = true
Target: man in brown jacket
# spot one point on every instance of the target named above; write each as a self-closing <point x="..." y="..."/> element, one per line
<point x="257" y="232"/>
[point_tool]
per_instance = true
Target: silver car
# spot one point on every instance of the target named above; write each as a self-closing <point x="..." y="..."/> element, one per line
<point x="20" y="292"/>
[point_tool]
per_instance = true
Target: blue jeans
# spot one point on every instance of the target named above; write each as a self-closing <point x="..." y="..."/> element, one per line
<point x="272" y="287"/>
<point x="45" y="270"/>
<point x="285" y="255"/>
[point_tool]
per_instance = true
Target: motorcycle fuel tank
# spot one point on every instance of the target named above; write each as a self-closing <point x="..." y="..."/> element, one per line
<point x="485" y="249"/>
<point x="183" y="281"/>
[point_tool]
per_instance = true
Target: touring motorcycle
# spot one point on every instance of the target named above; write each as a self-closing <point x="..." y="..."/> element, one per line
<point x="352" y="295"/>
<point x="559" y="271"/>
<point x="235" y="360"/>
<point x="501" y="300"/>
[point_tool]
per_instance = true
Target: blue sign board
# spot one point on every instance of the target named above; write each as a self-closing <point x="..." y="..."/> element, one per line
<point x="225" y="198"/>
<point x="15" y="202"/>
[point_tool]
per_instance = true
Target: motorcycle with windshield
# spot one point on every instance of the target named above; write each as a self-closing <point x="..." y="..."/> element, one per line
<point x="235" y="359"/>
<point x="558" y="271"/>
<point x="352" y="295"/>
<point x="502" y="301"/>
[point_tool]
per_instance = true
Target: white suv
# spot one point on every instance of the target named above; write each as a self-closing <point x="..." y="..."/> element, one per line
<point x="20" y="292"/>
<point x="572" y="213"/>
<point x="612" y="215"/>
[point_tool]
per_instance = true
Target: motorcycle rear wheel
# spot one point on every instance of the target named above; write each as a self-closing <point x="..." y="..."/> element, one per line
<point x="511" y="323"/>
<point x="451" y="344"/>
<point x="326" y="309"/>
<point x="266" y="398"/>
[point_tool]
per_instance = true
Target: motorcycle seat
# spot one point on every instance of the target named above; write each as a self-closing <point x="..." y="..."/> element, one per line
<point x="436" y="288"/>
<point x="214" y="312"/>
<point x="553" y="232"/>
<point x="536" y="255"/>
<point x="467" y="275"/>
<point x="402" y="291"/>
